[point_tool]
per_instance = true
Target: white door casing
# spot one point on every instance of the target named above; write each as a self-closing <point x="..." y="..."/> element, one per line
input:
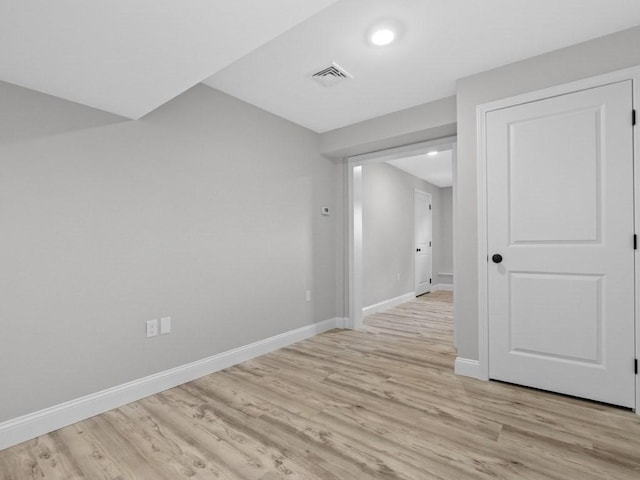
<point x="423" y="237"/>
<point x="560" y="211"/>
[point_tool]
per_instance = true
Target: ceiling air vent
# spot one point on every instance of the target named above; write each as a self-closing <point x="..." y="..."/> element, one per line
<point x="331" y="75"/>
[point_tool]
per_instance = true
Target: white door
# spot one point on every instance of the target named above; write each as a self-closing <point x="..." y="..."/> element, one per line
<point x="560" y="214"/>
<point x="422" y="222"/>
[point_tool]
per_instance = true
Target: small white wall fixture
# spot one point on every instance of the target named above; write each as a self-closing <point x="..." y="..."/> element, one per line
<point x="481" y="370"/>
<point x="354" y="187"/>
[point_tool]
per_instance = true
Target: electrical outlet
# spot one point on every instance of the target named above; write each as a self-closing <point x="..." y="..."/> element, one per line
<point x="165" y="325"/>
<point x="152" y="328"/>
<point x="308" y="296"/>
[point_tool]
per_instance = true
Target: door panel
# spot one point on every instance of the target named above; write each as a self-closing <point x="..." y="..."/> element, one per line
<point x="573" y="303"/>
<point x="423" y="248"/>
<point x="560" y="212"/>
<point x="571" y="186"/>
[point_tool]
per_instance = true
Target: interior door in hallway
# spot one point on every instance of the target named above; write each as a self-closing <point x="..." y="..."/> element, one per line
<point x="423" y="238"/>
<point x="561" y="250"/>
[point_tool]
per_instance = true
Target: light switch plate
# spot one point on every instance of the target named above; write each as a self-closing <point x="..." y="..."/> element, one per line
<point x="165" y="325"/>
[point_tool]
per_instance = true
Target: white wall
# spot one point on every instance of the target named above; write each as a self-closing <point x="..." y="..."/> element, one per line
<point x="388" y="231"/>
<point x="609" y="53"/>
<point x="207" y="210"/>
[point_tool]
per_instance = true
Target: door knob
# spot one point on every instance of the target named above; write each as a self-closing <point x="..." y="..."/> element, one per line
<point x="497" y="258"/>
<point x="418" y="250"/>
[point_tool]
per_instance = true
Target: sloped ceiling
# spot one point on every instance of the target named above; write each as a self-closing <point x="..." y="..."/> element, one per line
<point x="439" y="42"/>
<point x="128" y="57"/>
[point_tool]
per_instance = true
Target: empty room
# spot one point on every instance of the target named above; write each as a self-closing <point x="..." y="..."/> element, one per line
<point x="319" y="239"/>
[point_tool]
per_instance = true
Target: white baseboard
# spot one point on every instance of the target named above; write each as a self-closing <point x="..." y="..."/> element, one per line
<point x="342" y="322"/>
<point x="49" y="419"/>
<point x="467" y="368"/>
<point x="392" y="302"/>
<point x="447" y="287"/>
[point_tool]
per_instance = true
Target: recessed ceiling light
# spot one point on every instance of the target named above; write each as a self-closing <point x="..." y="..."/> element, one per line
<point x="433" y="153"/>
<point x="381" y="37"/>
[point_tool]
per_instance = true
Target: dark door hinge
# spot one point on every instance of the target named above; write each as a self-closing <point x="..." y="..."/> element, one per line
<point x="429" y="206"/>
<point x="635" y="365"/>
<point x="429" y="280"/>
<point x="429" y="243"/>
<point x="635" y="241"/>
<point x="633" y="117"/>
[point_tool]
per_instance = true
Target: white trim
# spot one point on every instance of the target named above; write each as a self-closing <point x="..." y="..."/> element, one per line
<point x="401" y="152"/>
<point x="442" y="287"/>
<point x="632" y="74"/>
<point x="467" y="368"/>
<point x="355" y="245"/>
<point x="49" y="419"/>
<point x="354" y="214"/>
<point x="341" y="322"/>
<point x="454" y="215"/>
<point x="387" y="304"/>
<point x="483" y="271"/>
<point x="636" y="200"/>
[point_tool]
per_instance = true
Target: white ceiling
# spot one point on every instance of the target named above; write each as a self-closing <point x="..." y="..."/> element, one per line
<point x="436" y="169"/>
<point x="439" y="42"/>
<point x="130" y="56"/>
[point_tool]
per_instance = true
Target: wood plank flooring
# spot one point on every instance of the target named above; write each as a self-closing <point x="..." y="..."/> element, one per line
<point x="378" y="404"/>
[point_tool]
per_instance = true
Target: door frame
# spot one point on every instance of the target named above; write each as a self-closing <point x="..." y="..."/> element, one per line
<point x="632" y="74"/>
<point x="354" y="215"/>
<point x="415" y="245"/>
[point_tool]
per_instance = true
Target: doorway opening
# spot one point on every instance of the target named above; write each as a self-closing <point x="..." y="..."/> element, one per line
<point x="397" y="253"/>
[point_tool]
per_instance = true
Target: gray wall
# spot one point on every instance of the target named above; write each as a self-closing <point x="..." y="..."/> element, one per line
<point x="387" y="223"/>
<point x="207" y="210"/>
<point x="446" y="234"/>
<point x="609" y="53"/>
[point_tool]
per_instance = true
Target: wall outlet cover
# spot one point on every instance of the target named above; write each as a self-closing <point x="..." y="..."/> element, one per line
<point x="152" y="328"/>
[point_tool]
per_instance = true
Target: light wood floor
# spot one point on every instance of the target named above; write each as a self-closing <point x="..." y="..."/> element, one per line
<point x="378" y="404"/>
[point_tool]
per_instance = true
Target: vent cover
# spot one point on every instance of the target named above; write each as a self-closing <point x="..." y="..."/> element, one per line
<point x="331" y="75"/>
